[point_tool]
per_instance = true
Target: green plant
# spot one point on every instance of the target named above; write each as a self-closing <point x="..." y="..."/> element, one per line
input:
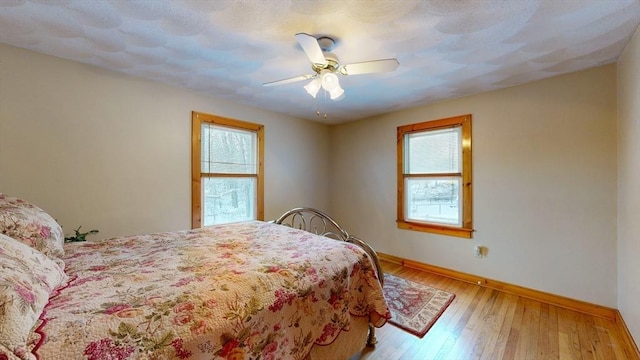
<point x="79" y="236"/>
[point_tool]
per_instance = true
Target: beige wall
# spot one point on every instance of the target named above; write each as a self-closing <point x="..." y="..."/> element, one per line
<point x="112" y="152"/>
<point x="629" y="186"/>
<point x="544" y="182"/>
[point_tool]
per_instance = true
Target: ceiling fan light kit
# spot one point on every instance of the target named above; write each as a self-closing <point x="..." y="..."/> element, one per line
<point x="326" y="67"/>
<point x="336" y="94"/>
<point x="313" y="87"/>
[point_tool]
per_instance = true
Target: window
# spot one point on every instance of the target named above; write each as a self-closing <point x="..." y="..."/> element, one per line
<point x="434" y="176"/>
<point x="226" y="170"/>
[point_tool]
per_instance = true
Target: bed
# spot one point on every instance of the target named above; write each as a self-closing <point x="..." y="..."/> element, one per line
<point x="284" y="289"/>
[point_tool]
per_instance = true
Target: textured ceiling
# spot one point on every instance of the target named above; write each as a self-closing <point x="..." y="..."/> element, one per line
<point x="228" y="48"/>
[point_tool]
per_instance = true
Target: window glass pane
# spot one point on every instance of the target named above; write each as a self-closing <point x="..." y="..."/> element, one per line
<point x="433" y="200"/>
<point x="433" y="152"/>
<point x="228" y="151"/>
<point x="228" y="200"/>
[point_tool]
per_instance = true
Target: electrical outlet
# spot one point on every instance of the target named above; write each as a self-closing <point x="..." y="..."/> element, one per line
<point x="477" y="251"/>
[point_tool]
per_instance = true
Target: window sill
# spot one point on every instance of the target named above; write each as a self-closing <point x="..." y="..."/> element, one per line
<point x="437" y="229"/>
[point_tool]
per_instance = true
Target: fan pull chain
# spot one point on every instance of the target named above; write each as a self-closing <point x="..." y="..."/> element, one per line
<point x="318" y="112"/>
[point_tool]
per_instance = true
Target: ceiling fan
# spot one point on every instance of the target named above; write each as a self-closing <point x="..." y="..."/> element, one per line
<point x="326" y="66"/>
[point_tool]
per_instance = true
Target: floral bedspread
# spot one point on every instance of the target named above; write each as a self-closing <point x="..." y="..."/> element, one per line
<point x="250" y="290"/>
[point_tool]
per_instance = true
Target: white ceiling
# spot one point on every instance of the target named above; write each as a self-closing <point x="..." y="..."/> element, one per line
<point x="228" y="48"/>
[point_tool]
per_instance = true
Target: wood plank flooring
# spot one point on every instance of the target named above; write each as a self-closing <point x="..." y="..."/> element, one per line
<point x="483" y="323"/>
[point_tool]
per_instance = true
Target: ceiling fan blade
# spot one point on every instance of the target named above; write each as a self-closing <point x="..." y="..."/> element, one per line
<point x="311" y="47"/>
<point x="289" y="80"/>
<point x="368" y="67"/>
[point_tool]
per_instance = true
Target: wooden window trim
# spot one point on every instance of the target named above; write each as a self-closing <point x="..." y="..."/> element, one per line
<point x="466" y="230"/>
<point x="197" y="118"/>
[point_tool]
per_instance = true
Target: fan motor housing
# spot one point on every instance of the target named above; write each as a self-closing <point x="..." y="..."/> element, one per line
<point x="332" y="63"/>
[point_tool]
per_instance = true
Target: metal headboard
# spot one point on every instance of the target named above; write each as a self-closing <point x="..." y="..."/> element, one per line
<point x="319" y="223"/>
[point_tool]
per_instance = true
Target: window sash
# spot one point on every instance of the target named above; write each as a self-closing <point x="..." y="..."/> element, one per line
<point x="228" y="199"/>
<point x="217" y="159"/>
<point x="434" y="200"/>
<point x="430" y="154"/>
<point x="433" y="151"/>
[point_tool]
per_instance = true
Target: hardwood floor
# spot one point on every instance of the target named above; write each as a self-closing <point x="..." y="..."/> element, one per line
<point x="483" y="323"/>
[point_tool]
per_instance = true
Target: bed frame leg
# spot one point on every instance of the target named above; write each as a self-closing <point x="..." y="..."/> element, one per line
<point x="371" y="339"/>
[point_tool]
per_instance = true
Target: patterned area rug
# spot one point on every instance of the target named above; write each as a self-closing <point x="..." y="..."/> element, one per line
<point x="414" y="307"/>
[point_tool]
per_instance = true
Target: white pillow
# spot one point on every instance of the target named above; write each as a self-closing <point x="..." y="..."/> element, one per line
<point x="27" y="279"/>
